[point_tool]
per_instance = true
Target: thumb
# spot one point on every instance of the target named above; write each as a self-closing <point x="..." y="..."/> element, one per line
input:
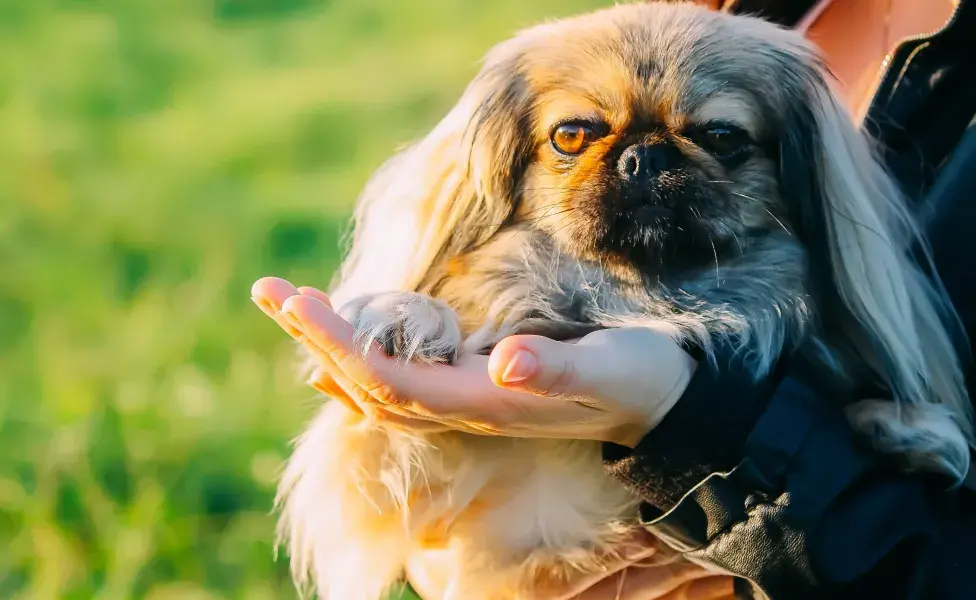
<point x="538" y="365"/>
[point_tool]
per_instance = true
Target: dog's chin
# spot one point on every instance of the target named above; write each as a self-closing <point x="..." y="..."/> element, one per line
<point x="658" y="242"/>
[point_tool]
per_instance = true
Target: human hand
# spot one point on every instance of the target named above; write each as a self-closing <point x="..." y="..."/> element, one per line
<point x="611" y="385"/>
<point x="643" y="568"/>
<point x="640" y="567"/>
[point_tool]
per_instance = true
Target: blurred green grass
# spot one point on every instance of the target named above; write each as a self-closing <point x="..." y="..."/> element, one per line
<point x="156" y="157"/>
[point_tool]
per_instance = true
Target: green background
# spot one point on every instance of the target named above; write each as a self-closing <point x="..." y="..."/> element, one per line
<point x="156" y="157"/>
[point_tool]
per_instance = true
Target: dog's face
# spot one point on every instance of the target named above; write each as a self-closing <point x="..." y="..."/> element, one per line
<point x="654" y="135"/>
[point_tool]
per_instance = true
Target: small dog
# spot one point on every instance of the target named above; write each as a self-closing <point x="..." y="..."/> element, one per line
<point x="649" y="163"/>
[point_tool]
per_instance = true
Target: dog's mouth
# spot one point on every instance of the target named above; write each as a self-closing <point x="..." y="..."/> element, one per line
<point x="651" y="216"/>
<point x="656" y="238"/>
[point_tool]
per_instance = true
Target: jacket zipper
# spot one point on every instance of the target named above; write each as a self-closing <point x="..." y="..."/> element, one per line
<point x="884" y="70"/>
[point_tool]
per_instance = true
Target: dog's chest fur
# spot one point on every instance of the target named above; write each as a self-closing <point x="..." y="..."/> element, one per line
<point x="494" y="513"/>
<point x="544" y="507"/>
<point x="520" y="282"/>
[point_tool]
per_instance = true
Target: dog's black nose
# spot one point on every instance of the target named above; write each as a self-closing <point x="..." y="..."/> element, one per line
<point x="645" y="161"/>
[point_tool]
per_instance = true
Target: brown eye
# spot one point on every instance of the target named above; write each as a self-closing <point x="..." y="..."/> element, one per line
<point x="571" y="138"/>
<point x="724" y="141"/>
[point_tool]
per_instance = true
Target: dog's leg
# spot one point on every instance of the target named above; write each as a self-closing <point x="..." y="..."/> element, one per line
<point x="407" y="325"/>
<point x="348" y="496"/>
<point x="341" y="517"/>
<point x="355" y="490"/>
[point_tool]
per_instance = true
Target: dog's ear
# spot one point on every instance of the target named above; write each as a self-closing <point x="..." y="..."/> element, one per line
<point x="863" y="244"/>
<point x="448" y="192"/>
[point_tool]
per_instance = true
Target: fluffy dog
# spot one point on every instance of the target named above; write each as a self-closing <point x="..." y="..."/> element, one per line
<point x="649" y="163"/>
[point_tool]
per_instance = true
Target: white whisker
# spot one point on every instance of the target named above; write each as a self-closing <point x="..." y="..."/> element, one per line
<point x="775" y="218"/>
<point x="739" y="244"/>
<point x="718" y="282"/>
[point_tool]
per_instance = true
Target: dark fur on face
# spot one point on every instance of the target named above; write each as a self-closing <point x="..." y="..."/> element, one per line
<point x="642" y="149"/>
<point x="680" y="172"/>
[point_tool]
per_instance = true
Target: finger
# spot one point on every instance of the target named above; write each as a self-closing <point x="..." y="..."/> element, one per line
<point x="273" y="291"/>
<point x="332" y="381"/>
<point x="384" y="379"/>
<point x="354" y="397"/>
<point x="329" y="338"/>
<point x="328" y="384"/>
<point x="645" y="582"/>
<point x="269" y="293"/>
<point x="348" y="387"/>
<point x="640" y="546"/>
<point x="537" y="365"/>
<point x="714" y="587"/>
<point x="462" y="391"/>
<point x="321" y="324"/>
<point x="640" y="370"/>
<point x="335" y="386"/>
<point x="461" y="397"/>
<point x="414" y="416"/>
<point x="333" y="336"/>
<point x="405" y="419"/>
<point x="317" y="294"/>
<point x="323" y="382"/>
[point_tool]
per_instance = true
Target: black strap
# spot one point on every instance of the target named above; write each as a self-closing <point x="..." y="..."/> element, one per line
<point x="784" y="12"/>
<point x="795" y="417"/>
<point x="970" y="482"/>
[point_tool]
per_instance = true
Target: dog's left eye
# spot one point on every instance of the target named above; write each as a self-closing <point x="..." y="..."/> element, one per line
<point x="572" y="138"/>
<point x="723" y="141"/>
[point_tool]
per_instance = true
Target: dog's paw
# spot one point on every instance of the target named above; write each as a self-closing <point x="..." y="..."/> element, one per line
<point x="407" y="325"/>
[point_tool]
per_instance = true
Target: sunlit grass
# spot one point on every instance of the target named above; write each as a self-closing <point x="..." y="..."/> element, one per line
<point x="157" y="157"/>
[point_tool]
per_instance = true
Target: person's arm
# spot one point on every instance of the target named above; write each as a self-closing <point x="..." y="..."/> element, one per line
<point x="703" y="433"/>
<point x="798" y="506"/>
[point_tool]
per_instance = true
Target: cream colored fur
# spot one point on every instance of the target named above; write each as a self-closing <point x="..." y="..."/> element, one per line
<point x="360" y="501"/>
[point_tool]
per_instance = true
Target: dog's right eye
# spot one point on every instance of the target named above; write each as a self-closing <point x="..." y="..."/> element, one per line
<point x="572" y="138"/>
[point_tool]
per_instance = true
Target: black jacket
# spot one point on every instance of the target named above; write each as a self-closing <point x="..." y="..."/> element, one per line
<point x="774" y="486"/>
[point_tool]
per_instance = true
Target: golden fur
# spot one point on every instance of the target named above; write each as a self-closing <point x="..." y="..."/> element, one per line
<point x="798" y="244"/>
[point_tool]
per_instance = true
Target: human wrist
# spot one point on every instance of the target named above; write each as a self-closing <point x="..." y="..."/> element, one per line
<point x="627" y="435"/>
<point x="685" y="373"/>
<point x="630" y="433"/>
<point x="703" y="433"/>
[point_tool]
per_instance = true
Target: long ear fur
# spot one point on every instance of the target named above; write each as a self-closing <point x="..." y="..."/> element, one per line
<point x="447" y="193"/>
<point x="864" y="244"/>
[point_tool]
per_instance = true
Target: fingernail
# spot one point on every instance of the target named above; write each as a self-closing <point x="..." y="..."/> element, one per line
<point x="520" y="368"/>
